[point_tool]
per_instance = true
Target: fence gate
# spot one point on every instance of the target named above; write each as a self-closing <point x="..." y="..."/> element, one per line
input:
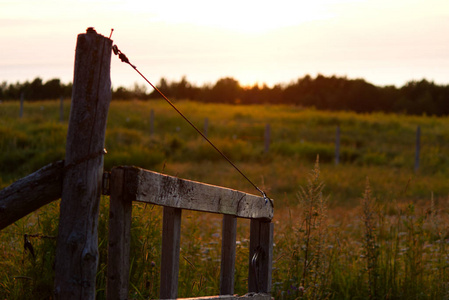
<point x="129" y="184"/>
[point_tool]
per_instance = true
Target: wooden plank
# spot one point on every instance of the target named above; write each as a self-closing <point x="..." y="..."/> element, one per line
<point x="30" y="193"/>
<point x="77" y="246"/>
<point x="229" y="233"/>
<point x="261" y="246"/>
<point x="171" y="238"/>
<point x="266" y="243"/>
<point x="160" y="189"/>
<point x="120" y="208"/>
<point x="252" y="296"/>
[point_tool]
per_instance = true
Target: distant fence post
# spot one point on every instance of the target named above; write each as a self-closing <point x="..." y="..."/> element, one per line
<point x="77" y="246"/>
<point x="267" y="137"/>
<point x="151" y="122"/>
<point x="337" y="145"/>
<point x="418" y="147"/>
<point x="61" y="109"/>
<point x="22" y="98"/>
<point x="206" y="126"/>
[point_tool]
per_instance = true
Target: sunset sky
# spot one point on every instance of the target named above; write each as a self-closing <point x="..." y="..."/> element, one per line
<point x="386" y="42"/>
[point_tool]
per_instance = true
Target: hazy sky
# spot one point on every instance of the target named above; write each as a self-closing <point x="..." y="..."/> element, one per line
<point x="383" y="41"/>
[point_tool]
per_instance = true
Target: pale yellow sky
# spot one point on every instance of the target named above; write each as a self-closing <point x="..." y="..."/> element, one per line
<point x="383" y="41"/>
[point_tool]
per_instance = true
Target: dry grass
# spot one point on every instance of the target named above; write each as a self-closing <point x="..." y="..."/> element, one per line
<point x="342" y="238"/>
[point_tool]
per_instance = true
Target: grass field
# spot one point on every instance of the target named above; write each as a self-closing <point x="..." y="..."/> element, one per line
<point x="369" y="227"/>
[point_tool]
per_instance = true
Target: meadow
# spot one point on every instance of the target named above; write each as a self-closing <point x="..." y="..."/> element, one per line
<point x="369" y="227"/>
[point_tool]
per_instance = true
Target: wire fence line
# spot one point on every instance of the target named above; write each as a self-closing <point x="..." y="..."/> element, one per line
<point x="267" y="138"/>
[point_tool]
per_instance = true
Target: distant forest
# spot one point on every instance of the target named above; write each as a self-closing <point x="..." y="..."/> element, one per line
<point x="321" y="92"/>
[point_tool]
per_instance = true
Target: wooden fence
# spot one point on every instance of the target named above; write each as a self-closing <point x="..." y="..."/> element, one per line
<point x="129" y="184"/>
<point x="80" y="181"/>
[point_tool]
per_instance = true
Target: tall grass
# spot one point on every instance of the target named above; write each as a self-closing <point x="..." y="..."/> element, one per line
<point x="337" y="235"/>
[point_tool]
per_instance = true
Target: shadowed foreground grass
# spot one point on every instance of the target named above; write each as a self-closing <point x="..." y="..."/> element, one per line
<point x="338" y="235"/>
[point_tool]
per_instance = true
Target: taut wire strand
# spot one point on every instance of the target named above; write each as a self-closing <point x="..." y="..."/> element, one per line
<point x="125" y="59"/>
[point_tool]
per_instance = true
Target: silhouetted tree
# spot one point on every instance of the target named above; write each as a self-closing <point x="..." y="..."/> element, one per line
<point x="321" y="92"/>
<point x="226" y="90"/>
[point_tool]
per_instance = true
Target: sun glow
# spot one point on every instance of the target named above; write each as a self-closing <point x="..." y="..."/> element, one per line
<point x="241" y="16"/>
<point x="384" y="41"/>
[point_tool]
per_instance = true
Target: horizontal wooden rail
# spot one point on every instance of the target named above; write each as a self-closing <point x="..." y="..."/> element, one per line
<point x="152" y="187"/>
<point x="30" y="193"/>
<point x="252" y="296"/>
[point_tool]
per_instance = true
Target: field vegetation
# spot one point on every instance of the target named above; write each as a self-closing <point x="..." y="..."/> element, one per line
<point x="368" y="228"/>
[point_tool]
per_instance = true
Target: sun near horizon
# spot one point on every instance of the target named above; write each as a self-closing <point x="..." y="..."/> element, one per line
<point x="384" y="42"/>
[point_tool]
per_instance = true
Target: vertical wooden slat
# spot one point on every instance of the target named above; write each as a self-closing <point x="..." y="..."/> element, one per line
<point x="266" y="243"/>
<point x="229" y="234"/>
<point x="171" y="237"/>
<point x="120" y="209"/>
<point x="261" y="243"/>
<point x="253" y="243"/>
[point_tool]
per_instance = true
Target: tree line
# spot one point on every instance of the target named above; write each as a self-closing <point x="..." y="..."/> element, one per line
<point x="321" y="92"/>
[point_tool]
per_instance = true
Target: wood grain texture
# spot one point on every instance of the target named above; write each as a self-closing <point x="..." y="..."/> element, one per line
<point x="171" y="238"/>
<point x="252" y="296"/>
<point x="261" y="241"/>
<point x="229" y="233"/>
<point x="119" y="241"/>
<point x="30" y="193"/>
<point x="77" y="247"/>
<point x="160" y="189"/>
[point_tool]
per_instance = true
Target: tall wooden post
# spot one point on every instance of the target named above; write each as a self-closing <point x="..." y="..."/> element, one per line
<point x="77" y="246"/>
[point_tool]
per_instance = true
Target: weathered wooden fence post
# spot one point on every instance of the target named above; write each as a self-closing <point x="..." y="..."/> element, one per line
<point x="418" y="147"/>
<point x="22" y="96"/>
<point x="152" y="122"/>
<point x="77" y="246"/>
<point x="61" y="109"/>
<point x="206" y="126"/>
<point x="337" y="146"/>
<point x="267" y="137"/>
